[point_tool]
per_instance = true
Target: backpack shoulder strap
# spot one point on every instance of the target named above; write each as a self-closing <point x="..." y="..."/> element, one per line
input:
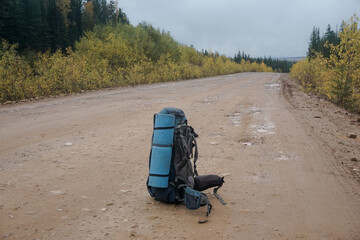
<point x="185" y="142"/>
<point x="193" y="143"/>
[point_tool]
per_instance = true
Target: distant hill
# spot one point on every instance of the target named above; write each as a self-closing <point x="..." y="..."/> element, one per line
<point x="291" y="59"/>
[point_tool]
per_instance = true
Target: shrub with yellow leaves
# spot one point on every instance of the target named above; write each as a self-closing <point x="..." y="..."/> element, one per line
<point x="336" y="77"/>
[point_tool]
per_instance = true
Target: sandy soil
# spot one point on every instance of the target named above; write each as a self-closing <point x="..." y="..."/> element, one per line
<point x="75" y="167"/>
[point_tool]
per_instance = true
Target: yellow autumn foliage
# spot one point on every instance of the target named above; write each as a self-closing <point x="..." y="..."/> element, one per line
<point x="16" y="75"/>
<point x="110" y="56"/>
<point x="336" y="77"/>
<point x="308" y="73"/>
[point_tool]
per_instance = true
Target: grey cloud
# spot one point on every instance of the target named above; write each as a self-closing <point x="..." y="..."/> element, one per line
<point x="280" y="28"/>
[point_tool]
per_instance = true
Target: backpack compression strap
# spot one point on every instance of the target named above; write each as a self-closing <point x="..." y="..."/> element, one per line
<point x="217" y="195"/>
<point x="205" y="200"/>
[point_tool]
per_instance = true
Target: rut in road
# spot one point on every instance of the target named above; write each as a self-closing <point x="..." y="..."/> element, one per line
<point x="76" y="167"/>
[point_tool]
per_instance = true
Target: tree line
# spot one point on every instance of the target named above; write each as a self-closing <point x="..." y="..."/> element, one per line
<point x="321" y="44"/>
<point x="41" y="25"/>
<point x="54" y="47"/>
<point x="332" y="68"/>
<point x="110" y="55"/>
<point x="276" y="64"/>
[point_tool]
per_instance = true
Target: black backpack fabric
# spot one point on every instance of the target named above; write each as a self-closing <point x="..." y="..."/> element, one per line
<point x="173" y="176"/>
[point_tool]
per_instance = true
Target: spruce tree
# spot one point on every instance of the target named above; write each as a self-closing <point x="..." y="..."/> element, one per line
<point x="96" y="11"/>
<point x="88" y="22"/>
<point x="121" y="17"/>
<point x="44" y="36"/>
<point x="29" y="24"/>
<point x="314" y="44"/>
<point x="74" y="20"/>
<point x="112" y="11"/>
<point x="57" y="27"/>
<point x="6" y="18"/>
<point x="330" y="37"/>
<point x="104" y="12"/>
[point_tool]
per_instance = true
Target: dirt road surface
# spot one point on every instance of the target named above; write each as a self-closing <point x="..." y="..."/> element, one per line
<point x="75" y="167"/>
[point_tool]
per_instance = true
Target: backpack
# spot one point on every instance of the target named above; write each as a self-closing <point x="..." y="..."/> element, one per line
<point x="173" y="176"/>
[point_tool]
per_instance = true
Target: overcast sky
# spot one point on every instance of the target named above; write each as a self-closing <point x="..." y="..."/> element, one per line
<point x="280" y="28"/>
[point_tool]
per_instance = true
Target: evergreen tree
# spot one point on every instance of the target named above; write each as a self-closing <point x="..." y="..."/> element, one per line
<point x="112" y="11"/>
<point x="29" y="24"/>
<point x="44" y="37"/>
<point x="57" y="28"/>
<point x="104" y="12"/>
<point x="54" y="24"/>
<point x="74" y="20"/>
<point x="88" y="16"/>
<point x="96" y="12"/>
<point x="314" y="44"/>
<point x="6" y="18"/>
<point x="206" y="53"/>
<point x="237" y="57"/>
<point x="330" y="37"/>
<point x="319" y="44"/>
<point x="121" y="17"/>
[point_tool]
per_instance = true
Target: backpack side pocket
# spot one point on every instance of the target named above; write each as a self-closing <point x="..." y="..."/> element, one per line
<point x="192" y="198"/>
<point x="195" y="199"/>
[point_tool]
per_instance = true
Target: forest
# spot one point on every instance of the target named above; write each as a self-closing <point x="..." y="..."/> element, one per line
<point x="55" y="47"/>
<point x="277" y="65"/>
<point x="53" y="24"/>
<point x="332" y="67"/>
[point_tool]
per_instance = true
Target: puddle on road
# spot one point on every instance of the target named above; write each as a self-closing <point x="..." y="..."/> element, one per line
<point x="235" y="118"/>
<point x="255" y="110"/>
<point x="260" y="114"/>
<point x="264" y="129"/>
<point x="208" y="101"/>
<point x="283" y="156"/>
<point x="273" y="86"/>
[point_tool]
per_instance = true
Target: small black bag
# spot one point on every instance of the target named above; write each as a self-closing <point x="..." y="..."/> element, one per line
<point x="203" y="182"/>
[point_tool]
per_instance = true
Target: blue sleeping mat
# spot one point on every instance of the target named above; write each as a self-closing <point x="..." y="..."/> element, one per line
<point x="161" y="150"/>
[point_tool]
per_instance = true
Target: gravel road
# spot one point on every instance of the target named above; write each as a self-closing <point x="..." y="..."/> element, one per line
<point x="75" y="167"/>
